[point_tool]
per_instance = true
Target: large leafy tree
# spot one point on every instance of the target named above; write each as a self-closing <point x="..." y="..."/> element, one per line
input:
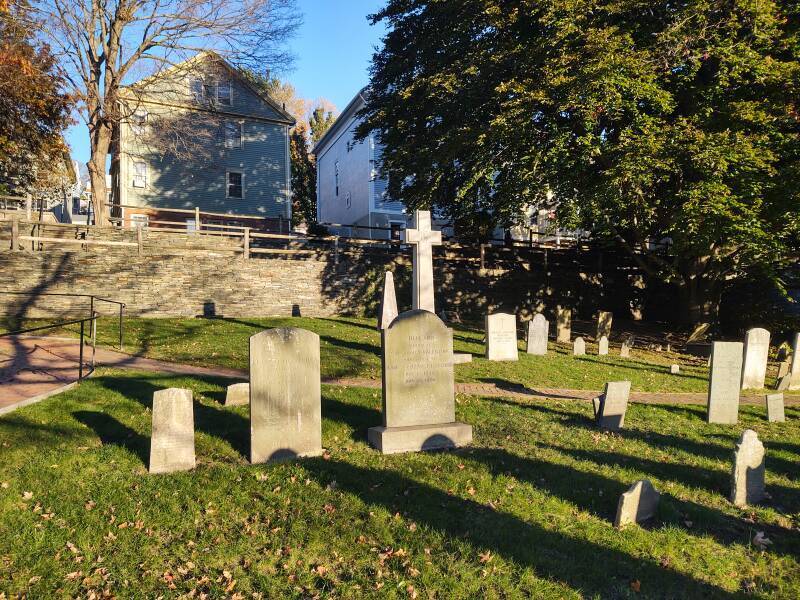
<point x="320" y="120"/>
<point x="667" y="121"/>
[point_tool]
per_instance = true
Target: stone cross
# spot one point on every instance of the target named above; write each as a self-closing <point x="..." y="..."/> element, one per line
<point x="423" y="238"/>
<point x="775" y="412"/>
<point x="724" y="380"/>
<point x="638" y="504"/>
<point x="579" y="347"/>
<point x="756" y="353"/>
<point x="602" y="346"/>
<point x="172" y="441"/>
<point x="747" y="478"/>
<point x="388" y="309"/>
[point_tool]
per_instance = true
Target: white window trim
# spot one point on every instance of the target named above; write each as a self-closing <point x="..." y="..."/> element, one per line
<point x="136" y="176"/>
<point x="197" y="97"/>
<point x="227" y="184"/>
<point x="241" y="135"/>
<point x="230" y="93"/>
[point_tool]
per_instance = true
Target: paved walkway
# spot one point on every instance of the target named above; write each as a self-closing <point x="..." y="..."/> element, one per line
<point x="33" y="368"/>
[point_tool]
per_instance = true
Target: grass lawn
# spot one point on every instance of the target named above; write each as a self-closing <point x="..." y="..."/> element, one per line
<point x="525" y="512"/>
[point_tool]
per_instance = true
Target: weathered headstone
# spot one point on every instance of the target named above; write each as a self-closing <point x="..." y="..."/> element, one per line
<point x="501" y="337"/>
<point x="723" y="386"/>
<point x="747" y="479"/>
<point x="783" y="383"/>
<point x="610" y="407"/>
<point x="423" y="239"/>
<point x="638" y="504"/>
<point x="238" y="394"/>
<point x="625" y="349"/>
<point x="602" y="346"/>
<point x="563" y="325"/>
<point x="604" y="319"/>
<point x="285" y="399"/>
<point x="675" y="369"/>
<point x="537" y="335"/>
<point x="783" y="368"/>
<point x="756" y="353"/>
<point x="418" y="388"/>
<point x="172" y="440"/>
<point x="579" y="347"/>
<point x="460" y="358"/>
<point x="794" y="365"/>
<point x="775" y="412"/>
<point x="388" y="308"/>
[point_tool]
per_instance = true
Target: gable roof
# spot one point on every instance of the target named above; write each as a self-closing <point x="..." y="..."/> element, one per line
<point x="341" y="121"/>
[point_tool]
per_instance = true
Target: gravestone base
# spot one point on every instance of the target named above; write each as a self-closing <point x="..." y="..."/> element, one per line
<point x="413" y="438"/>
<point x="460" y="358"/>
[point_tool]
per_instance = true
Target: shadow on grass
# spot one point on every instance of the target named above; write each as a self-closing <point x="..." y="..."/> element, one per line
<point x="112" y="432"/>
<point x="358" y="418"/>
<point x="518" y="388"/>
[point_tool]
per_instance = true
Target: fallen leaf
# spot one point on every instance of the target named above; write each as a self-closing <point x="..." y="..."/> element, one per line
<point x="486" y="557"/>
<point x="636" y="585"/>
<point x="761" y="541"/>
<point x="27" y="495"/>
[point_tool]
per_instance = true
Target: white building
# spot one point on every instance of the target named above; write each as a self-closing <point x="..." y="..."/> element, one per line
<point x="352" y="198"/>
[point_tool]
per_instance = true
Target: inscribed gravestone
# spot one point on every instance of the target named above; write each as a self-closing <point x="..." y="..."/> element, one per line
<point x="537" y="335"/>
<point x="285" y="400"/>
<point x="172" y="441"/>
<point x="724" y="377"/>
<point x="675" y="369"/>
<point x="388" y="308"/>
<point x="501" y="337"/>
<point x="747" y="479"/>
<point x="563" y="325"/>
<point x="610" y="407"/>
<point x="638" y="504"/>
<point x="604" y="319"/>
<point x="422" y="238"/>
<point x="418" y="388"/>
<point x="237" y="394"/>
<point x="756" y="353"/>
<point x="602" y="346"/>
<point x="775" y="412"/>
<point x="579" y="347"/>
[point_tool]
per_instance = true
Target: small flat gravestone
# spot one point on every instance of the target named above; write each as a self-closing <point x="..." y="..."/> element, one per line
<point x="537" y="335"/>
<point x="172" y="441"/>
<point x="501" y="337"/>
<point x="578" y="347"/>
<point x="775" y="412"/>
<point x="418" y="387"/>
<point x="747" y="479"/>
<point x="285" y="398"/>
<point x="388" y="309"/>
<point x="563" y="325"/>
<point x="602" y="346"/>
<point x="238" y="394"/>
<point x="756" y="353"/>
<point x="611" y="405"/>
<point x="638" y="504"/>
<point x="675" y="369"/>
<point x="724" y="376"/>
<point x="604" y="319"/>
<point x="460" y="358"/>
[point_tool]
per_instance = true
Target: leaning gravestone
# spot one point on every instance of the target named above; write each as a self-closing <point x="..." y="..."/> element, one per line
<point x="610" y="407"/>
<point x="563" y="325"/>
<point x="501" y="337"/>
<point x="418" y="388"/>
<point x="783" y="383"/>
<point x="723" y="385"/>
<point x="775" y="412"/>
<point x="285" y="399"/>
<point x="537" y="335"/>
<point x="638" y="504"/>
<point x="172" y="441"/>
<point x="579" y="347"/>
<point x="388" y="308"/>
<point x="756" y="353"/>
<point x="238" y="394"/>
<point x="604" y="319"/>
<point x="747" y="479"/>
<point x="602" y="346"/>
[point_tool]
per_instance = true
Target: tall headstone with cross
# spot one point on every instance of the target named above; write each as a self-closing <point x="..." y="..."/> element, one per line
<point x="423" y="238"/>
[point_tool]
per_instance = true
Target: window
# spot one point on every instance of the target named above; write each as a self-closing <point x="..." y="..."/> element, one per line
<point x="233" y="135"/>
<point x="224" y="93"/>
<point x="139" y="174"/>
<point x="198" y="90"/>
<point x="138" y="120"/>
<point x="348" y="200"/>
<point x="139" y="220"/>
<point x="336" y="176"/>
<point x="235" y="184"/>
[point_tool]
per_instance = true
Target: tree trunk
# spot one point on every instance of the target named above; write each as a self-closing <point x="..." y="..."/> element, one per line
<point x="700" y="299"/>
<point x="101" y="142"/>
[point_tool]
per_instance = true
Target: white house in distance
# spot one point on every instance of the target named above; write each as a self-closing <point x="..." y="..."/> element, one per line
<point x="351" y="196"/>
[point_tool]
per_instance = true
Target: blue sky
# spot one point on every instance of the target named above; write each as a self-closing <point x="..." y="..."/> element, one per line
<point x="332" y="52"/>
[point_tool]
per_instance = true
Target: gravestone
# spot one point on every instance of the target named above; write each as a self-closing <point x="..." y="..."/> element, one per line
<point x="579" y="347"/>
<point x="783" y="383"/>
<point x="794" y="365"/>
<point x="501" y="337"/>
<point x="756" y="353"/>
<point x="724" y="377"/>
<point x="604" y="319"/>
<point x="747" y="479"/>
<point x="783" y="368"/>
<point x="461" y="358"/>
<point x="172" y="440"/>
<point x="775" y="412"/>
<point x="537" y="335"/>
<point x="418" y="388"/>
<point x="602" y="346"/>
<point x="388" y="308"/>
<point x="563" y="325"/>
<point x="285" y="399"/>
<point x="625" y="349"/>
<point x="610" y="407"/>
<point x="238" y="394"/>
<point x="675" y="369"/>
<point x="423" y="239"/>
<point x="638" y="504"/>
